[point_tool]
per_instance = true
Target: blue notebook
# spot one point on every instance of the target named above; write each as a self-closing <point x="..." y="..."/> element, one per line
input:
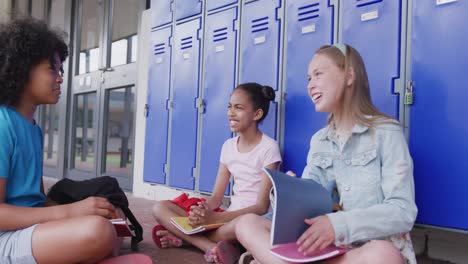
<point x="295" y="199"/>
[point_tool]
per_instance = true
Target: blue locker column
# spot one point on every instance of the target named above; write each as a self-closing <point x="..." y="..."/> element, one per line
<point x="309" y="25"/>
<point x="185" y="80"/>
<point x="187" y="8"/>
<point x="161" y="12"/>
<point x="374" y="29"/>
<point x="219" y="80"/>
<point x="438" y="124"/>
<point x="157" y="119"/>
<point x="216" y="4"/>
<point x="260" y="51"/>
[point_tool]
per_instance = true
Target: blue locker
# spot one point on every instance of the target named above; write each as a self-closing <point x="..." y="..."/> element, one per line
<point x="161" y="12"/>
<point x="219" y="80"/>
<point x="373" y="27"/>
<point x="157" y="113"/>
<point x="309" y="26"/>
<point x="216" y="4"/>
<point x="260" y="51"/>
<point x="187" y="8"/>
<point x="185" y="80"/>
<point x="438" y="126"/>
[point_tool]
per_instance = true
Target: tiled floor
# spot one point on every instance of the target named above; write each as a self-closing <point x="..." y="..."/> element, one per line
<point x="141" y="208"/>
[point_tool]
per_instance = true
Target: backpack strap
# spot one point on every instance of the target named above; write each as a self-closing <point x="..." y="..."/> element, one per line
<point x="136" y="227"/>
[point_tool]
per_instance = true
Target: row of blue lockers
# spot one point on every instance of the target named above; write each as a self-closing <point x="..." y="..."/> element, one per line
<point x="202" y="49"/>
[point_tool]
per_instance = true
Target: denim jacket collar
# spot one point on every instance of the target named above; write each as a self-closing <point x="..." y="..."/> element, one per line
<point x="330" y="131"/>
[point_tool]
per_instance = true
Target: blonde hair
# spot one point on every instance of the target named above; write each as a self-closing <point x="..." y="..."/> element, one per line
<point x="356" y="100"/>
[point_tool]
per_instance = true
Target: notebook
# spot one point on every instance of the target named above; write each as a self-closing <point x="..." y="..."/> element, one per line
<point x="295" y="200"/>
<point x="182" y="223"/>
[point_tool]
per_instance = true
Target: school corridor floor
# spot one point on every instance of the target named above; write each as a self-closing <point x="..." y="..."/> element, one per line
<point x="141" y="208"/>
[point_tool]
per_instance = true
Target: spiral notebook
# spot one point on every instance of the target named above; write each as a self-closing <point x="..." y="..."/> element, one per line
<point x="295" y="200"/>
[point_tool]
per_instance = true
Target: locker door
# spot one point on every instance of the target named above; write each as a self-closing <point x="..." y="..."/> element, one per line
<point x="219" y="80"/>
<point x="184" y="108"/>
<point x="157" y="119"/>
<point x="187" y="8"/>
<point x="373" y="28"/>
<point x="438" y="125"/>
<point x="161" y="13"/>
<point x="260" y="51"/>
<point x="215" y="4"/>
<point x="309" y="25"/>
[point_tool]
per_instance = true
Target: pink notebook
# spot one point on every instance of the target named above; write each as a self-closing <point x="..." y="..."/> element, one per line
<point x="289" y="252"/>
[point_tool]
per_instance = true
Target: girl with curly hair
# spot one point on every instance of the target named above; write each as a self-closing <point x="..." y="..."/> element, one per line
<point x="31" y="58"/>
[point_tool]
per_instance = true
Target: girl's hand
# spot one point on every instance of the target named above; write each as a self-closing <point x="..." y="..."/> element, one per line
<point x="92" y="206"/>
<point x="200" y="214"/>
<point x="290" y="173"/>
<point x="318" y="236"/>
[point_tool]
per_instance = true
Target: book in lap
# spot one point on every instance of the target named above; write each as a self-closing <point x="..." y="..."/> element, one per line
<point x="122" y="228"/>
<point x="295" y="200"/>
<point x="182" y="223"/>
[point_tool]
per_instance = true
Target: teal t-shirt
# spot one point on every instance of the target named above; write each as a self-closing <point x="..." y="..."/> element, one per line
<point x="20" y="159"/>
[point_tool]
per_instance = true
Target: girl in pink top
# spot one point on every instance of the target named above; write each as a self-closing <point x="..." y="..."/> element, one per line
<point x="242" y="157"/>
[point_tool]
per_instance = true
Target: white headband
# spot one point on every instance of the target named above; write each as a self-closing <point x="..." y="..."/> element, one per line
<point x="341" y="47"/>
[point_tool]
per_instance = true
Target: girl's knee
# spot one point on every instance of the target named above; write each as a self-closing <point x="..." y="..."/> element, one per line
<point x="380" y="251"/>
<point x="159" y="207"/>
<point x="245" y="223"/>
<point x="98" y="232"/>
<point x="246" y="220"/>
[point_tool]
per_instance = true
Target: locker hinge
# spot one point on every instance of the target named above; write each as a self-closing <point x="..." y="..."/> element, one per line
<point x="333" y="2"/>
<point x="146" y="111"/>
<point x="236" y="25"/>
<point x="166" y="168"/>
<point x="280" y="13"/>
<point x="201" y="105"/>
<point x="409" y="92"/>
<point x="170" y="104"/>
<point x="194" y="172"/>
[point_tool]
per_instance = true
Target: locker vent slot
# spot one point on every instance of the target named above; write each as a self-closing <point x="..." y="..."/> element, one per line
<point x="361" y="3"/>
<point x="186" y="43"/>
<point x="220" y="34"/>
<point x="308" y="12"/>
<point x="259" y="24"/>
<point x="159" y="48"/>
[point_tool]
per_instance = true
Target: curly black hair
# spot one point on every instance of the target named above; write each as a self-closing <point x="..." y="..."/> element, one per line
<point x="24" y="43"/>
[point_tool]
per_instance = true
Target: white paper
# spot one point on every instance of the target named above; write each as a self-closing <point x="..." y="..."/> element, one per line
<point x="443" y="2"/>
<point x="219" y="48"/>
<point x="259" y="40"/>
<point x="308" y="29"/>
<point x="370" y="15"/>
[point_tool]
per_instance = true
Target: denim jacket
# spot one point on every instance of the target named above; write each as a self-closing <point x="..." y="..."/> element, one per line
<point x="373" y="176"/>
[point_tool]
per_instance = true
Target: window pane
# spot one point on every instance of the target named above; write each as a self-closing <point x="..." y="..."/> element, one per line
<point x="50" y="130"/>
<point x="84" y="134"/>
<point x="119" y="52"/>
<point x="91" y="23"/>
<point x="58" y="9"/>
<point x="119" y="127"/>
<point x="38" y="9"/>
<point x="124" y="28"/>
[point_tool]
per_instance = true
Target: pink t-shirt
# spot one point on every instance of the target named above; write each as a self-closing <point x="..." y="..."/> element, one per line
<point x="246" y="169"/>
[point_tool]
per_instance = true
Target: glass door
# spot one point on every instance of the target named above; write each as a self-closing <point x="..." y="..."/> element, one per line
<point x="102" y="129"/>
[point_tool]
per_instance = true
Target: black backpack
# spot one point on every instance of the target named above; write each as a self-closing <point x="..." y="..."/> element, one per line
<point x="69" y="191"/>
